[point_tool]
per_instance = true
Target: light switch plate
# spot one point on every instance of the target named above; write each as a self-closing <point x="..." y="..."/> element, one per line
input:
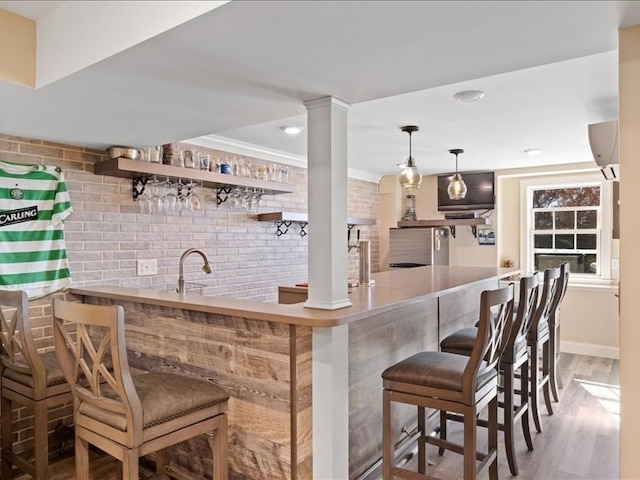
<point x="147" y="267"/>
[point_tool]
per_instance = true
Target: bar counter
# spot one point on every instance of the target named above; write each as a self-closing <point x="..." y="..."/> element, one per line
<point x="305" y="386"/>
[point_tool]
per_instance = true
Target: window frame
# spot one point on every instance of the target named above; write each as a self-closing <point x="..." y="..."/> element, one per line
<point x="604" y="229"/>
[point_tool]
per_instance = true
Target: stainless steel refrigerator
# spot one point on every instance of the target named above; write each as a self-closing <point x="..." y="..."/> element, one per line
<point x="414" y="247"/>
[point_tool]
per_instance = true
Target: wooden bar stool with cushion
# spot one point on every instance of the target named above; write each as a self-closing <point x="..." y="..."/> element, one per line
<point x="554" y="332"/>
<point x="515" y="358"/>
<point x="30" y="379"/>
<point x="539" y="337"/>
<point x="456" y="383"/>
<point x="129" y="417"/>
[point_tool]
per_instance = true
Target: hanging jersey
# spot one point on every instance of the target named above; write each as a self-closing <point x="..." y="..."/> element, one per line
<point x="33" y="205"/>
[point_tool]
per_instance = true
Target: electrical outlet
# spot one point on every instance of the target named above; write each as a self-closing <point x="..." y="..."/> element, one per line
<point x="147" y="267"/>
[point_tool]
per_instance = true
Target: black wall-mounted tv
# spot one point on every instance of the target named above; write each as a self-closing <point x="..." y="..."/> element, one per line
<point x="480" y="192"/>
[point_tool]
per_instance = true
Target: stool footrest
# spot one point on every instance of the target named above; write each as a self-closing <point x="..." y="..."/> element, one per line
<point x="21" y="463"/>
<point x="178" y="472"/>
<point x="454" y="447"/>
<point x="517" y="413"/>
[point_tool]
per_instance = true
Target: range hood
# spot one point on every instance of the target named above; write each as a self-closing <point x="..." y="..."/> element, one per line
<point x="603" y="139"/>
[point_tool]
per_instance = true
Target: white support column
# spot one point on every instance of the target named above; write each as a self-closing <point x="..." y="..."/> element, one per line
<point x="327" y="203"/>
<point x="331" y="403"/>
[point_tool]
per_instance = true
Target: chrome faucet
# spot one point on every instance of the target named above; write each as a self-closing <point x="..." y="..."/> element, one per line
<point x="206" y="268"/>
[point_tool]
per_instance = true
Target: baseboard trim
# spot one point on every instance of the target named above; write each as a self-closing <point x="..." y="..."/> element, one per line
<point x="590" y="349"/>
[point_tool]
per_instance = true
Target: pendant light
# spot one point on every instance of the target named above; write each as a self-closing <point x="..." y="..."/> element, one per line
<point x="410" y="176"/>
<point x="457" y="189"/>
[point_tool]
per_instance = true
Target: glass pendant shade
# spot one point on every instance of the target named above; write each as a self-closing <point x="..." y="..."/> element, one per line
<point x="457" y="189"/>
<point x="410" y="176"/>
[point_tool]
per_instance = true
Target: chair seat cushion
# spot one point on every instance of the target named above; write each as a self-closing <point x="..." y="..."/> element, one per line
<point x="461" y="340"/>
<point x="55" y="376"/>
<point x="164" y="397"/>
<point x="436" y="370"/>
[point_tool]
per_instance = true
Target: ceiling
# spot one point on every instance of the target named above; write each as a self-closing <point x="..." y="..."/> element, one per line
<point x="241" y="71"/>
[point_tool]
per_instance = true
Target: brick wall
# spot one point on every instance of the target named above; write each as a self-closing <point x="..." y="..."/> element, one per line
<point x="106" y="234"/>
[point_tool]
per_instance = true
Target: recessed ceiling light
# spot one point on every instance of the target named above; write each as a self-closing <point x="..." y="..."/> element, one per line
<point x="533" y="151"/>
<point x="469" y="95"/>
<point x="291" y="130"/>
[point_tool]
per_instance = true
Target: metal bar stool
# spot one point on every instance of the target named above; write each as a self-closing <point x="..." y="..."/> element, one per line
<point x="451" y="382"/>
<point x="515" y="358"/>
<point x="30" y="379"/>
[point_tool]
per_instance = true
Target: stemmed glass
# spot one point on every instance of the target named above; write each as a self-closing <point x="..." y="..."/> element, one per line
<point x="144" y="203"/>
<point x="168" y="197"/>
<point x="170" y="200"/>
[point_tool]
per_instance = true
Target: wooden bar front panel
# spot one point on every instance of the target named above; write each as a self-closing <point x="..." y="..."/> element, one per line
<point x="375" y="344"/>
<point x="265" y="367"/>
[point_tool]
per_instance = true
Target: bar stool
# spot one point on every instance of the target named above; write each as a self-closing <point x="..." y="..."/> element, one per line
<point x="515" y="358"/>
<point x="539" y="337"/>
<point x="451" y="382"/>
<point x="131" y="416"/>
<point x="30" y="379"/>
<point x="554" y="332"/>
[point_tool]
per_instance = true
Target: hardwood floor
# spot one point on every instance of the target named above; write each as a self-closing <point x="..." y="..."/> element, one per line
<point x="579" y="441"/>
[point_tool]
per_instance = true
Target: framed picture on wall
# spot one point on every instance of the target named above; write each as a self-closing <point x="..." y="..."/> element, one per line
<point x="486" y="236"/>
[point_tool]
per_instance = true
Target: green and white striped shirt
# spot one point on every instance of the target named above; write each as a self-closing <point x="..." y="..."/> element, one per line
<point x="33" y="205"/>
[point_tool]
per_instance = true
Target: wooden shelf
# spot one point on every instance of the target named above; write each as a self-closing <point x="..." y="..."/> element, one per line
<point x="303" y="217"/>
<point x="285" y="219"/>
<point x="127" y="168"/>
<point x="441" y="222"/>
<point x="445" y="222"/>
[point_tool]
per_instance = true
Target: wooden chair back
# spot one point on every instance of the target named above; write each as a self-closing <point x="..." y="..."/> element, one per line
<point x="19" y="352"/>
<point x="552" y="282"/>
<point x="527" y="304"/>
<point x="90" y="343"/>
<point x="560" y="292"/>
<point x="496" y="318"/>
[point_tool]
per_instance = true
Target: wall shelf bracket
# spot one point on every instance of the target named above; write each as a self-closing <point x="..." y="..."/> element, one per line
<point x="138" y="185"/>
<point x="222" y="194"/>
<point x="474" y="230"/>
<point x="279" y="227"/>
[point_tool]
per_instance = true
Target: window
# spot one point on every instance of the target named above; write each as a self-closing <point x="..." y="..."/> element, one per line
<point x="568" y="221"/>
